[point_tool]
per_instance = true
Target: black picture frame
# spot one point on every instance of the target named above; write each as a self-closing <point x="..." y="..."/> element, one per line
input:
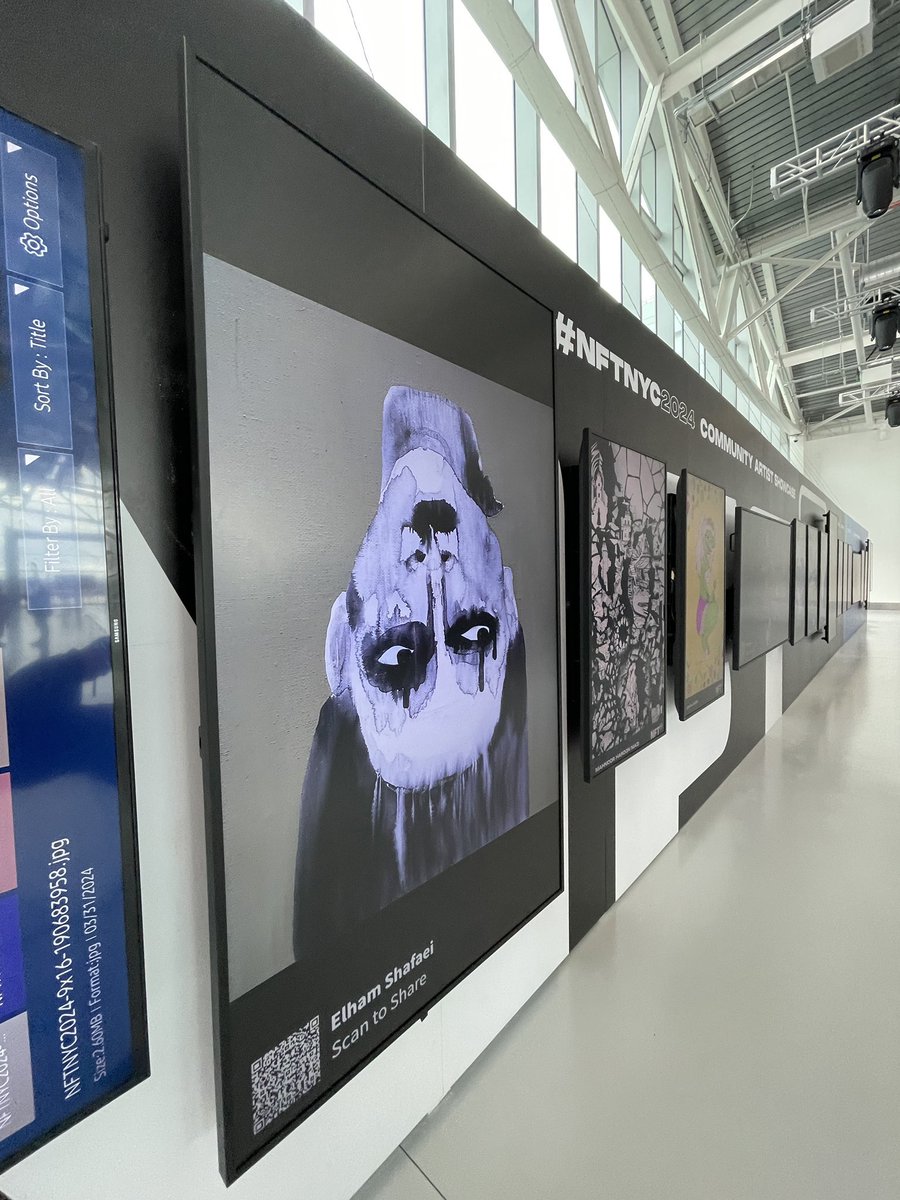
<point x="739" y="661"/>
<point x="832" y="579"/>
<point x="592" y="764"/>
<point x="97" y="234"/>
<point x="231" y="1018"/>
<point x="823" y="581"/>
<point x="798" y="582"/>
<point x="812" y="580"/>
<point x="688" y="705"/>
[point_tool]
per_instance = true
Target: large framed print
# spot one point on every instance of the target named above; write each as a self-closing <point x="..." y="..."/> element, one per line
<point x="823" y="579"/>
<point x="857" y="577"/>
<point x="762" y="585"/>
<point x="377" y="609"/>
<point x="848" y="576"/>
<point x="623" y="603"/>
<point x="72" y="1012"/>
<point x="832" y="578"/>
<point x="812" y="579"/>
<point x="699" y="652"/>
<point x="798" y="581"/>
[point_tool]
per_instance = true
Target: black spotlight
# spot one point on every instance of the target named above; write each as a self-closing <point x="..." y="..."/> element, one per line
<point x="884" y="324"/>
<point x="892" y="411"/>
<point x="877" y="174"/>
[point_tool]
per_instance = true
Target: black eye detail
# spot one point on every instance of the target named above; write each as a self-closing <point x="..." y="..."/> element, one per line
<point x="397" y="661"/>
<point x="473" y="633"/>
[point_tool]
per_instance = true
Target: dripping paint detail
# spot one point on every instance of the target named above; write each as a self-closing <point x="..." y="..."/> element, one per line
<point x="420" y="756"/>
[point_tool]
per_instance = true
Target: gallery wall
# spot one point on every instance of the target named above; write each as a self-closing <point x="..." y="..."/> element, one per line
<point x="863" y="472"/>
<point x="113" y="79"/>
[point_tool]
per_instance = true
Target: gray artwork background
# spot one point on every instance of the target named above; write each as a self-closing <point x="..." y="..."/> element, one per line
<point x="295" y="394"/>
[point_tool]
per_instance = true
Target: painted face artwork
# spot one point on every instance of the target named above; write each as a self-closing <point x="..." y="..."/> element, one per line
<point x="422" y="635"/>
<point x="421" y="753"/>
<point x="430" y="624"/>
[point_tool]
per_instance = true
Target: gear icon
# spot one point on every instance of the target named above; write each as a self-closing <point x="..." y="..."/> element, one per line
<point x="33" y="244"/>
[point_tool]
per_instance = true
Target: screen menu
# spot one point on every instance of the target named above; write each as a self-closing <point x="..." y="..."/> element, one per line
<point x="71" y="1006"/>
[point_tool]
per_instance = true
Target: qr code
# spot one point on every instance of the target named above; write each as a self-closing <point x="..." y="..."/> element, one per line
<point x="285" y="1074"/>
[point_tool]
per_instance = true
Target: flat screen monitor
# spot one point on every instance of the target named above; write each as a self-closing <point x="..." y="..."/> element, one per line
<point x="762" y="585"/>
<point x="699" y="655"/>
<point x="798" y="581"/>
<point x="623" y="601"/>
<point x="848" y="576"/>
<point x="72" y="1013"/>
<point x="832" y="578"/>
<point x="812" y="579"/>
<point x="377" y="609"/>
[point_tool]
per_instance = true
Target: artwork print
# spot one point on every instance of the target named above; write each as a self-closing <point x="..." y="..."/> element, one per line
<point x="705" y="587"/>
<point x="420" y="756"/>
<point x="624" y="607"/>
<point x="812" y="579"/>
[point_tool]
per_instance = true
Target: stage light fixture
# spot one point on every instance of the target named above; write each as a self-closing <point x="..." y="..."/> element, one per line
<point x="892" y="411"/>
<point x="884" y="324"/>
<point x="877" y="175"/>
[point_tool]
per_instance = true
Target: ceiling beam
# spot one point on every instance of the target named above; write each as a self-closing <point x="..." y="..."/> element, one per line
<point x="727" y="41"/>
<point x="834" y="219"/>
<point x="855" y="323"/>
<point x="841" y="428"/>
<point x="639" y="141"/>
<point x="580" y="57"/>
<point x="513" y="43"/>
<point x="826" y="349"/>
<point x="697" y="178"/>
<point x="795" y="283"/>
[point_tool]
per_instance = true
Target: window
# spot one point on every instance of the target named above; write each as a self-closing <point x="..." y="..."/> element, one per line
<point x="648" y="299"/>
<point x="552" y="45"/>
<point x="485" y="126"/>
<point x="609" y="74"/>
<point x="386" y="40"/>
<point x="558" y="212"/>
<point x="610" y="256"/>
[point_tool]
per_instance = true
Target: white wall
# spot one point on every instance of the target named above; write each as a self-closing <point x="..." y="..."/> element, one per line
<point x="159" y="1140"/>
<point x="862" y="473"/>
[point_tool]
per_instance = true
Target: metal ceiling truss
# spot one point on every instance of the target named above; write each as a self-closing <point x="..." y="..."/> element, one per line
<point x="600" y="171"/>
<point x="694" y="167"/>
<point x="857" y="304"/>
<point x="834" y="154"/>
<point x="724" y="43"/>
<point x="865" y="395"/>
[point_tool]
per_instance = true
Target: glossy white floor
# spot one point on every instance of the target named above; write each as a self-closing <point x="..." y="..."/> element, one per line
<point x="731" y="1029"/>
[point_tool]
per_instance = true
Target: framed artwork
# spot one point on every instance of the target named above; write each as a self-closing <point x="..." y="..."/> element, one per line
<point x="376" y="549"/>
<point x="832" y="577"/>
<point x="762" y="585"/>
<point x="623" y="618"/>
<point x="699" y="653"/>
<point x="798" y="581"/>
<point x="812" y="579"/>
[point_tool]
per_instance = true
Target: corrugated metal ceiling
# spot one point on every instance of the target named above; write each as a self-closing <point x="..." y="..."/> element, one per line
<point x="761" y="131"/>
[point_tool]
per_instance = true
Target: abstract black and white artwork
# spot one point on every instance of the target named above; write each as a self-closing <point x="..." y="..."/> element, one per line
<point x="420" y="756"/>
<point x="624" y="602"/>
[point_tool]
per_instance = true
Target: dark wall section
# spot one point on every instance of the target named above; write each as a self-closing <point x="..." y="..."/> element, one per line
<point x="110" y="74"/>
